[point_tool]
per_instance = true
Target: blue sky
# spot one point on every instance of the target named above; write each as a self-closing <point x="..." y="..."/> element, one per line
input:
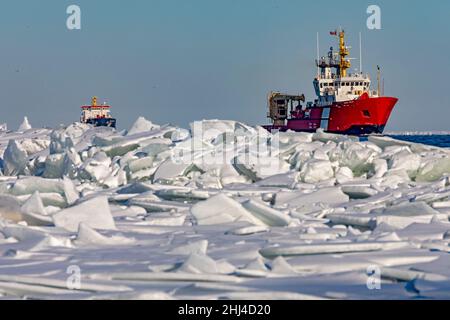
<point x="183" y="60"/>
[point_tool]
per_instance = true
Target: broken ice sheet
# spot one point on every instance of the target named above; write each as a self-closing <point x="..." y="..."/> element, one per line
<point x="304" y="220"/>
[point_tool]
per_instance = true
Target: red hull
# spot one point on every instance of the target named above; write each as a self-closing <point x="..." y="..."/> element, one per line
<point x="363" y="116"/>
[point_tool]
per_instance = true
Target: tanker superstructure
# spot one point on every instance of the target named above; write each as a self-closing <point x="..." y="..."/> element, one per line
<point x="345" y="102"/>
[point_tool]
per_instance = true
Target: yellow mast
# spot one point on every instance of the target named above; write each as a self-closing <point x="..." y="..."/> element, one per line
<point x="94" y="101"/>
<point x="344" y="64"/>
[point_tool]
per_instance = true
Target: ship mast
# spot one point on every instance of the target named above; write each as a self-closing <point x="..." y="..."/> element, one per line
<point x="344" y="64"/>
<point x="378" y="79"/>
<point x="360" y="54"/>
<point x="318" y="56"/>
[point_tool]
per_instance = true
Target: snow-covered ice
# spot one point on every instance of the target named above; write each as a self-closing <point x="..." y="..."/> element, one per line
<point x="220" y="211"/>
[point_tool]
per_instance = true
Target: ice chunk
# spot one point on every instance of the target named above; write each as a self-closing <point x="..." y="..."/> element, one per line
<point x="359" y="191"/>
<point x="179" y="134"/>
<point x="25" y="126"/>
<point x="51" y="199"/>
<point x="33" y="239"/>
<point x="344" y="174"/>
<point x="281" y="267"/>
<point x="202" y="264"/>
<point x="425" y="232"/>
<point x="355" y="155"/>
<point x="96" y="168"/>
<point x="63" y="138"/>
<point x="156" y="205"/>
<point x="325" y="248"/>
<point x="183" y="194"/>
<point x="254" y="269"/>
<point x="322" y="136"/>
<point x="34" y="205"/>
<point x="221" y="209"/>
<point x="401" y="222"/>
<point x="380" y="167"/>
<point x="406" y="161"/>
<point x="257" y="264"/>
<point x="33" y="146"/>
<point x="285" y="180"/>
<point x="165" y="219"/>
<point x="410" y="275"/>
<point x="88" y="236"/>
<point x="441" y="205"/>
<point x="291" y="137"/>
<point x="260" y="167"/>
<point x="411" y="209"/>
<point x="229" y="176"/>
<point x="34" y="212"/>
<point x="140" y="164"/>
<point x="169" y="170"/>
<point x="10" y="209"/>
<point x="15" y="159"/>
<point x="356" y="220"/>
<point x="106" y="141"/>
<point x="198" y="247"/>
<point x="433" y="170"/>
<point x="116" y="178"/>
<point x="316" y="171"/>
<point x="208" y="130"/>
<point x="30" y="185"/>
<point x="168" y="276"/>
<point x="267" y="215"/>
<point x="70" y="191"/>
<point x="156" y="147"/>
<point x="127" y="212"/>
<point x="54" y="166"/>
<point x="95" y="213"/>
<point x="142" y="125"/>
<point x="300" y="198"/>
<point x="401" y="216"/>
<point x="72" y="161"/>
<point x="384" y="142"/>
<point x="245" y="231"/>
<point x="120" y="149"/>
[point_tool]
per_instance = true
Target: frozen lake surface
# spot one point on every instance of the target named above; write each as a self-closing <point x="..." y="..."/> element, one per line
<point x="220" y="211"/>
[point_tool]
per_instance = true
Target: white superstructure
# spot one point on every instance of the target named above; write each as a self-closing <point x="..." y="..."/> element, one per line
<point x="340" y="86"/>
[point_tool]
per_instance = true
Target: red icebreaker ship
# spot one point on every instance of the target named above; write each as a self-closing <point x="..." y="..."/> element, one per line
<point x="345" y="103"/>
